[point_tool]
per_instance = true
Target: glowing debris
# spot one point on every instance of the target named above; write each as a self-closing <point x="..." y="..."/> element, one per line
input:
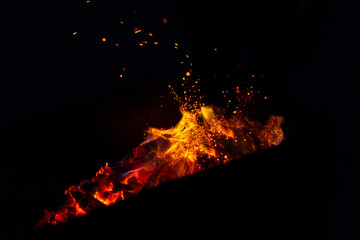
<point x="137" y="30"/>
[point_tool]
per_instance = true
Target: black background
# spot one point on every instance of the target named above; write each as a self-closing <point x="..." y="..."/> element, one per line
<point x="65" y="112"/>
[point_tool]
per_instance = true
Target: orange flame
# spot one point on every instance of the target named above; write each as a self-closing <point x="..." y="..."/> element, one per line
<point x="203" y="138"/>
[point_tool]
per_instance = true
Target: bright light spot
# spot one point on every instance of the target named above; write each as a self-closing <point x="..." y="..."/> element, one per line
<point x="137" y="30"/>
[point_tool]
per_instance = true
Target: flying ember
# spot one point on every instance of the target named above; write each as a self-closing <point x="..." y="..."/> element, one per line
<point x="202" y="139"/>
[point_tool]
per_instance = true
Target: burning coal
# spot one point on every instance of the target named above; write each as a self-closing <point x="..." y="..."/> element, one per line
<point x="202" y="139"/>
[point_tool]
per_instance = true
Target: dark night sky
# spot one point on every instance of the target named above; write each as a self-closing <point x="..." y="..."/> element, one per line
<point x="63" y="105"/>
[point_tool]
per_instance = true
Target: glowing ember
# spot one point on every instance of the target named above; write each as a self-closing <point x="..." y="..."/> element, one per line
<point x="203" y="138"/>
<point x="137" y="30"/>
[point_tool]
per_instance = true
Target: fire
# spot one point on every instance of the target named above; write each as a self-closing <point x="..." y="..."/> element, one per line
<point x="206" y="136"/>
<point x="203" y="138"/>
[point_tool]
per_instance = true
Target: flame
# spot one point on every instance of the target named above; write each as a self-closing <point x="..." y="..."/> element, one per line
<point x="203" y="138"/>
<point x="206" y="136"/>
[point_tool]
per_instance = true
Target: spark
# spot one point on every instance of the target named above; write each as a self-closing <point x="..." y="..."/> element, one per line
<point x="137" y="30"/>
